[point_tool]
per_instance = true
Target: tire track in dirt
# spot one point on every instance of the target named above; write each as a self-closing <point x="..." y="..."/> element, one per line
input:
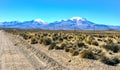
<point x="10" y="57"/>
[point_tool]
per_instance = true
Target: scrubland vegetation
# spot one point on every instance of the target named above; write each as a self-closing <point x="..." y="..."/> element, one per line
<point x="103" y="46"/>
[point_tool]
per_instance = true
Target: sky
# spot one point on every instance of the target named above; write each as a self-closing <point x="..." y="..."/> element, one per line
<point x="98" y="11"/>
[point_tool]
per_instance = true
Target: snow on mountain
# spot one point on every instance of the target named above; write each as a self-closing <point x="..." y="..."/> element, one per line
<point x="78" y="18"/>
<point x="39" y="20"/>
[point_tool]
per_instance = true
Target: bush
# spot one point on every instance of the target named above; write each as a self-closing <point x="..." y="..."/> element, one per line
<point x="63" y="45"/>
<point x="89" y="39"/>
<point x="52" y="46"/>
<point x="66" y="49"/>
<point x="58" y="47"/>
<point x="41" y="41"/>
<point x="34" y="41"/>
<point x="109" y="41"/>
<point x="80" y="44"/>
<point x="75" y="53"/>
<point x="94" y="43"/>
<point x="87" y="54"/>
<point x="71" y="50"/>
<point x="47" y="41"/>
<point x="99" y="39"/>
<point x="61" y="39"/>
<point x="113" y="47"/>
<point x="91" y="53"/>
<point x="25" y="36"/>
<point x="110" y="61"/>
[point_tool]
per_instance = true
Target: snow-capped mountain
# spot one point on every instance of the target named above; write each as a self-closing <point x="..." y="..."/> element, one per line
<point x="77" y="23"/>
<point x="33" y="24"/>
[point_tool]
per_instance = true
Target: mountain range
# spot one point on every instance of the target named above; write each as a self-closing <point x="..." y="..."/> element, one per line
<point x="75" y="23"/>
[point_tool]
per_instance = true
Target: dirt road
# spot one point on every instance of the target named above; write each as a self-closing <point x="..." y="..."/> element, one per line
<point x="10" y="56"/>
<point x="22" y="56"/>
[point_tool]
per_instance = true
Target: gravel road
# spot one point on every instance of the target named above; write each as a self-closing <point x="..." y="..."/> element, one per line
<point x="10" y="56"/>
<point x="22" y="56"/>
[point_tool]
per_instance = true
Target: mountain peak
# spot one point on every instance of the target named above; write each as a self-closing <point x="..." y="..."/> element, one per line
<point x="77" y="18"/>
<point x="39" y="20"/>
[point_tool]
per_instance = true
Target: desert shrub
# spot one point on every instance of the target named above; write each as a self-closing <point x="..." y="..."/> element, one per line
<point x="55" y="38"/>
<point x="70" y="37"/>
<point x="109" y="41"/>
<point x="74" y="53"/>
<point x="63" y="45"/>
<point x="87" y="54"/>
<point x="80" y="44"/>
<point x="57" y="47"/>
<point x="94" y="43"/>
<point x="91" y="53"/>
<point x="45" y="34"/>
<point x="88" y="42"/>
<point x="113" y="47"/>
<point x="65" y="37"/>
<point x="110" y="60"/>
<point x="41" y="40"/>
<point x="61" y="39"/>
<point x="105" y="41"/>
<point x="60" y="46"/>
<point x="47" y="41"/>
<point x="99" y="39"/>
<point x="89" y="39"/>
<point x="70" y="45"/>
<point x="71" y="50"/>
<point x="34" y="41"/>
<point x="52" y="46"/>
<point x="66" y="49"/>
<point x="101" y="36"/>
<point x="25" y="36"/>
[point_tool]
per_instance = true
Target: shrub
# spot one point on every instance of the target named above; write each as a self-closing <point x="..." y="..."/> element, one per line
<point x="61" y="39"/>
<point x="94" y="43"/>
<point x="55" y="38"/>
<point x="34" y="41"/>
<point x="75" y="53"/>
<point x="47" y="41"/>
<point x="109" y="41"/>
<point x="41" y="41"/>
<point x="63" y="45"/>
<point x="91" y="53"/>
<point x="113" y="47"/>
<point x="25" y="36"/>
<point x="99" y="40"/>
<point x="89" y="39"/>
<point x="66" y="49"/>
<point x="110" y="60"/>
<point x="80" y="44"/>
<point x="88" y="54"/>
<point x="58" y="47"/>
<point x="52" y="46"/>
<point x="71" y="50"/>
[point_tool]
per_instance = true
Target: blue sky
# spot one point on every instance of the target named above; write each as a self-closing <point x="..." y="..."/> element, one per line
<point x="98" y="11"/>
